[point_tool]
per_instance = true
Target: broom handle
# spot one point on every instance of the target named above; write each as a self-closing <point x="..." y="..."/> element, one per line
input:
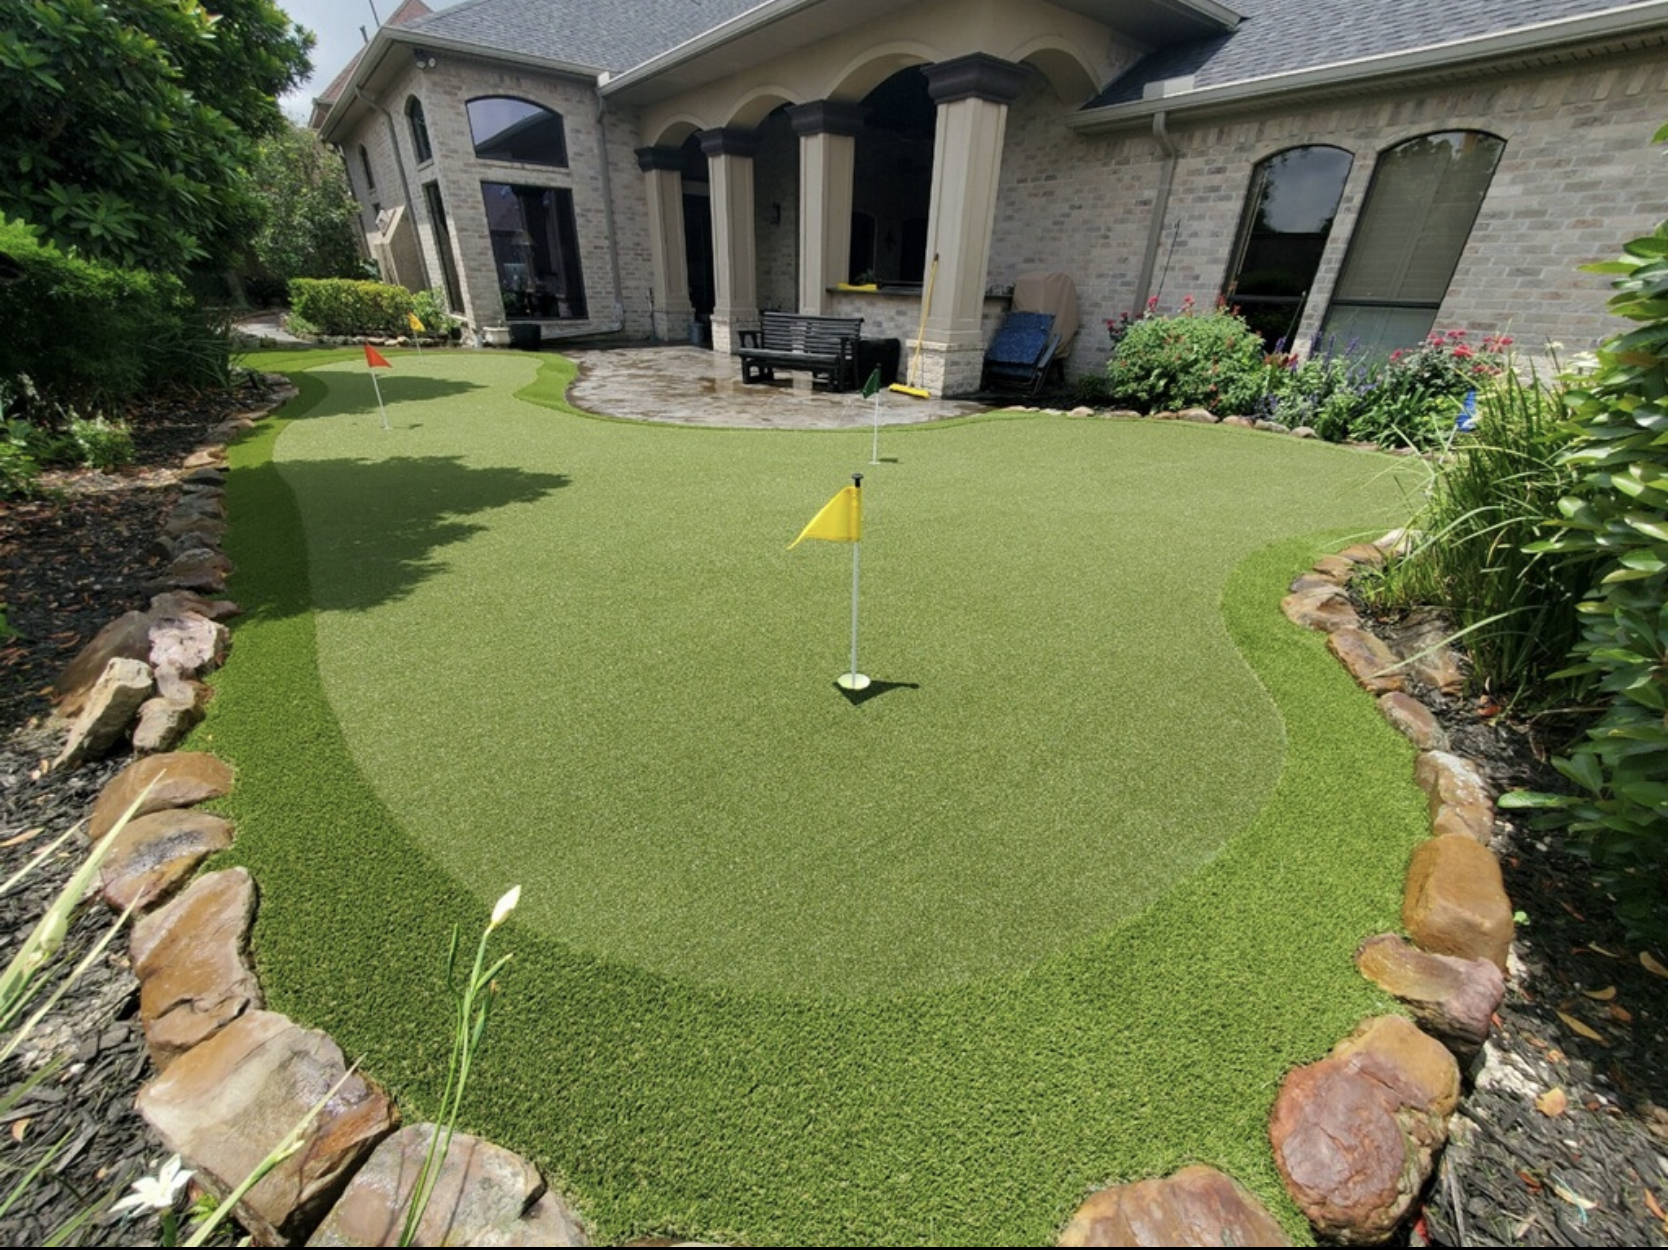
<point x="926" y="307"/>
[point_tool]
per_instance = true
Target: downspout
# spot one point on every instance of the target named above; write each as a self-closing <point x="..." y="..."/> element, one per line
<point x="1161" y="209"/>
<point x="405" y="183"/>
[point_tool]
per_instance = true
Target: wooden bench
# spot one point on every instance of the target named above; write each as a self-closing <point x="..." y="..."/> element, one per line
<point x="825" y="347"/>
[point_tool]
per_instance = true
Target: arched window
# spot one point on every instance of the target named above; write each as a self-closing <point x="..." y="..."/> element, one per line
<point x="507" y="129"/>
<point x="1423" y="201"/>
<point x="1282" y="232"/>
<point x="419" y="130"/>
<point x="365" y="164"/>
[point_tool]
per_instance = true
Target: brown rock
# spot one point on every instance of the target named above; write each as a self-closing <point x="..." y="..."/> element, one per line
<point x="1452" y="999"/>
<point x="1303" y="431"/>
<point x="204" y="477"/>
<point x="189" y="957"/>
<point x="205" y="458"/>
<point x="1366" y="658"/>
<point x="479" y="1198"/>
<point x="1244" y="423"/>
<point x="164" y="721"/>
<point x="180" y="602"/>
<point x="1198" y="1206"/>
<point x="1271" y="427"/>
<point x="1459" y="798"/>
<point x="226" y="1104"/>
<point x="178" y="779"/>
<point x="1414" y="721"/>
<point x="200" y="504"/>
<point x="1455" y="901"/>
<point x="1326" y="609"/>
<point x="107" y="710"/>
<point x="127" y="637"/>
<point x="1335" y="567"/>
<point x="1313" y="581"/>
<point x="189" y="523"/>
<point x="1199" y="416"/>
<point x="1122" y="414"/>
<point x="188" y="643"/>
<point x="198" y="570"/>
<point x="1354" y="1134"/>
<point x="1439" y="669"/>
<point x="1364" y="553"/>
<point x="154" y="854"/>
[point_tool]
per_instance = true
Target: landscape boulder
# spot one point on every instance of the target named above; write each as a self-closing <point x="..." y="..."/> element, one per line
<point x="1198" y="1206"/>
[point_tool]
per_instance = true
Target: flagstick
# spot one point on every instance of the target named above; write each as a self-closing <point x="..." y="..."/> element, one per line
<point x="379" y="402"/>
<point x="419" y="342"/>
<point x="854" y="680"/>
<point x="874" y="456"/>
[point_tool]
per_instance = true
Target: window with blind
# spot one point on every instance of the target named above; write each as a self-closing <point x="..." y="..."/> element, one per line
<point x="1282" y="232"/>
<point x="1424" y="199"/>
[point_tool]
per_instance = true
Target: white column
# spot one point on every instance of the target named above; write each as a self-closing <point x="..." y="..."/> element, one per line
<point x="735" y="270"/>
<point x="972" y="93"/>
<point x="669" y="259"/>
<point x="827" y="156"/>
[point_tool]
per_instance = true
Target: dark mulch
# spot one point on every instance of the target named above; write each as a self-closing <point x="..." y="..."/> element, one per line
<point x="70" y="561"/>
<point x="1596" y="1171"/>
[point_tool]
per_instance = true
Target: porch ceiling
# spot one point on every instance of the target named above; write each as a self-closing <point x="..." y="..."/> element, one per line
<point x="780" y="27"/>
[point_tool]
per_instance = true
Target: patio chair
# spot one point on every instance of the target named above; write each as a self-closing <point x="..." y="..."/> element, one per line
<point x="1020" y="353"/>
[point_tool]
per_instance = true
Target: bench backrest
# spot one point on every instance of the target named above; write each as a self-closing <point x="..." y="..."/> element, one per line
<point x="811" y="336"/>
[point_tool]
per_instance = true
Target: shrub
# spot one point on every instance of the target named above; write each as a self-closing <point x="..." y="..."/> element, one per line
<point x="1211" y="360"/>
<point x="1488" y="502"/>
<point x="93" y="335"/>
<point x="18" y="470"/>
<point x="1617" y="514"/>
<point x="348" y="307"/>
<point x="101" y="444"/>
<point x="431" y="311"/>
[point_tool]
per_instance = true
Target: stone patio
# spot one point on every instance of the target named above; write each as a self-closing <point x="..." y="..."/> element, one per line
<point x="692" y="386"/>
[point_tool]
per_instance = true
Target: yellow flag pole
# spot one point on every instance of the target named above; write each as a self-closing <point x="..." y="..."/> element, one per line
<point x="854" y="680"/>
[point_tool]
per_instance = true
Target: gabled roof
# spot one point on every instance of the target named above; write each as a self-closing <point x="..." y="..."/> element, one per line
<point x="1288" y="37"/>
<point x="408" y="12"/>
<point x="610" y="35"/>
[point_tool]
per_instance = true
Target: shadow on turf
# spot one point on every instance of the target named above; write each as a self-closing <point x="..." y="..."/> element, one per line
<point x="397" y="388"/>
<point x="874" y="690"/>
<point x="382" y="526"/>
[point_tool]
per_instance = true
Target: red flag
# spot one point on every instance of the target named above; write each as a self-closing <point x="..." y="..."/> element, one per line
<point x="375" y="359"/>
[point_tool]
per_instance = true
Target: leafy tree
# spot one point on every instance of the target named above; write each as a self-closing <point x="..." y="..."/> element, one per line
<point x="129" y="122"/>
<point x="309" y="220"/>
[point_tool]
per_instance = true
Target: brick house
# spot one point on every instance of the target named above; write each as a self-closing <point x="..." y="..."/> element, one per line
<point x="1365" y="170"/>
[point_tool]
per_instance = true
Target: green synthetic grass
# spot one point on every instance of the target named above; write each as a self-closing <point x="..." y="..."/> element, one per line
<point x="1059" y="911"/>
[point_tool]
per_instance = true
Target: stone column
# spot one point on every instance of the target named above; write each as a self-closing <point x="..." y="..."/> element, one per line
<point x="668" y="258"/>
<point x="827" y="132"/>
<point x="729" y="155"/>
<point x="972" y="94"/>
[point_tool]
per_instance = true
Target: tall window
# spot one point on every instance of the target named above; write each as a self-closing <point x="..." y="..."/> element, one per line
<point x="419" y="130"/>
<point x="1423" y="201"/>
<point x="507" y="129"/>
<point x="365" y="164"/>
<point x="535" y="247"/>
<point x="1283" y="231"/>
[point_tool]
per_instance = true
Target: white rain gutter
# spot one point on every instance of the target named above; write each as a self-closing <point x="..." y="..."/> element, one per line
<point x="1634" y="19"/>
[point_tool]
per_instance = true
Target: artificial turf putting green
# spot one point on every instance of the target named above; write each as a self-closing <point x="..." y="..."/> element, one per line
<point x="1058" y="910"/>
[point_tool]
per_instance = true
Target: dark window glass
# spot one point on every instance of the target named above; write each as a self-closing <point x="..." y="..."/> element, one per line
<point x="506" y="129"/>
<point x="419" y="130"/>
<point x="536" y="250"/>
<point x="365" y="163"/>
<point x="1424" y="199"/>
<point x="1283" y="231"/>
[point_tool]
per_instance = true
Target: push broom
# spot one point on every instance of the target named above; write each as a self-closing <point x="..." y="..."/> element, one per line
<point x="920" y="337"/>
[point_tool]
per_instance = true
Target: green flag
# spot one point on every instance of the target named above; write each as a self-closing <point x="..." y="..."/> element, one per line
<point x="872" y="386"/>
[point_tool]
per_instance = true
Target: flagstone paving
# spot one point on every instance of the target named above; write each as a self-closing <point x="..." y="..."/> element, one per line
<point x="692" y="386"/>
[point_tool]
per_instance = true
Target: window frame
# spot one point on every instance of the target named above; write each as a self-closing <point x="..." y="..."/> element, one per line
<point x="564" y="160"/>
<point x="417" y="122"/>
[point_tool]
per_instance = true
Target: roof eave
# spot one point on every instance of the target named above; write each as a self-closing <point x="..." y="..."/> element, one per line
<point x="387" y="37"/>
<point x="1378" y="71"/>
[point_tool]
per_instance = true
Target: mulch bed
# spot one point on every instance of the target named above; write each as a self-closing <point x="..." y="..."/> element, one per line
<point x="1594" y="1173"/>
<point x="72" y="559"/>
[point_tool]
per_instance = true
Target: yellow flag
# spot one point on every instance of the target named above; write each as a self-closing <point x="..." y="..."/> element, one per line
<point x="416" y="324"/>
<point x="840" y="521"/>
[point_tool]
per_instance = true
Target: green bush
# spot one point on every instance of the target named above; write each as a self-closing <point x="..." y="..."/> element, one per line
<point x="92" y="335"/>
<point x="101" y="444"/>
<point x="1488" y="501"/>
<point x="18" y="470"/>
<point x="1616" y="514"/>
<point x="1192" y="359"/>
<point x="346" y="306"/>
<point x="431" y="311"/>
